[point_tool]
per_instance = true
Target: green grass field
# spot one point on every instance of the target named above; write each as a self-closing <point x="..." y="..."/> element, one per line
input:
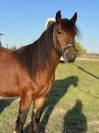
<point x="71" y="107"/>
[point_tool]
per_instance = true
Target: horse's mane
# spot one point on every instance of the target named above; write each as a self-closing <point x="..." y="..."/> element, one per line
<point x="38" y="55"/>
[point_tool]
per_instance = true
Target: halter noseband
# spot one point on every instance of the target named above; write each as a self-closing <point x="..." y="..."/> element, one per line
<point x="58" y="47"/>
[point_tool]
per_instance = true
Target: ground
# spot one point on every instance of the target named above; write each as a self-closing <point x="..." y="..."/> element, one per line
<point x="72" y="106"/>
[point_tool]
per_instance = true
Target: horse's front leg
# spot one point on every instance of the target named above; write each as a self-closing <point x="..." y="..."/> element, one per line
<point x="34" y="125"/>
<point x="25" y="103"/>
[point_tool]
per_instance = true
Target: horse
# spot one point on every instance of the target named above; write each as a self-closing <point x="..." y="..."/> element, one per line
<point x="29" y="71"/>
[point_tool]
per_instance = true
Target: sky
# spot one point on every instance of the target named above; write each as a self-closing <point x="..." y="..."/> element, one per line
<point x="23" y="21"/>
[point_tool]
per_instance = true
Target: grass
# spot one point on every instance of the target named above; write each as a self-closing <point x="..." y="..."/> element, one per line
<point x="71" y="107"/>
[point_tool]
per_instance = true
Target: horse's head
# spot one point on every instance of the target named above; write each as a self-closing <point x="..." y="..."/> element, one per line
<point x="64" y="34"/>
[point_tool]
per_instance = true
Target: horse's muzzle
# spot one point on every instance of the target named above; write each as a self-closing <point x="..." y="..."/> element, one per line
<point x="70" y="57"/>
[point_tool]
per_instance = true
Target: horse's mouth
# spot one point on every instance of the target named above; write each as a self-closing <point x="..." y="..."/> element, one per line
<point x="69" y="58"/>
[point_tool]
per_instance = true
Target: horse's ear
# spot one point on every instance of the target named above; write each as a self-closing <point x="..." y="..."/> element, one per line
<point x="74" y="18"/>
<point x="58" y="17"/>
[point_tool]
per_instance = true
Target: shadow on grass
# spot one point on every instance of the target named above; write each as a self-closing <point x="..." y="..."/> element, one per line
<point x="59" y="90"/>
<point x="83" y="69"/>
<point x="74" y="120"/>
<point x="5" y="102"/>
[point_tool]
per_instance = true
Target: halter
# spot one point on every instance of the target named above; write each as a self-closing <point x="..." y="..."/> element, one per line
<point x="58" y="47"/>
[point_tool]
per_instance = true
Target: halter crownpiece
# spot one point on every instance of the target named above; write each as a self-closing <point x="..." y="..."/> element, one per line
<point x="58" y="47"/>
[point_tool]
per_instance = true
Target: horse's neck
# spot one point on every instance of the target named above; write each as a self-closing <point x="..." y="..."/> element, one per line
<point x="48" y="75"/>
<point x="55" y="61"/>
<point x="55" y="54"/>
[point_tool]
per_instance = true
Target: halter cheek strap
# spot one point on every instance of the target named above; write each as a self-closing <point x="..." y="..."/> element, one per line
<point x="58" y="47"/>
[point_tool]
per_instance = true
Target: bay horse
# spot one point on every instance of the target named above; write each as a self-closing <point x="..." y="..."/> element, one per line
<point x="29" y="71"/>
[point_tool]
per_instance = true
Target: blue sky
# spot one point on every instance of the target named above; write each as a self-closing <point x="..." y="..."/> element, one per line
<point x="22" y="21"/>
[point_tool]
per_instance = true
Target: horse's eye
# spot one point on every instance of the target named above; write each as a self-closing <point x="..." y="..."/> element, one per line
<point x="59" y="32"/>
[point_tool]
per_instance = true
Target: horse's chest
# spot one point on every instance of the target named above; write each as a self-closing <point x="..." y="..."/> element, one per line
<point x="45" y="87"/>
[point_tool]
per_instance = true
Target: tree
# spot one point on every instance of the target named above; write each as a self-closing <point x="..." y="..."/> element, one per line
<point x="0" y="39"/>
<point x="0" y="44"/>
<point x="80" y="49"/>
